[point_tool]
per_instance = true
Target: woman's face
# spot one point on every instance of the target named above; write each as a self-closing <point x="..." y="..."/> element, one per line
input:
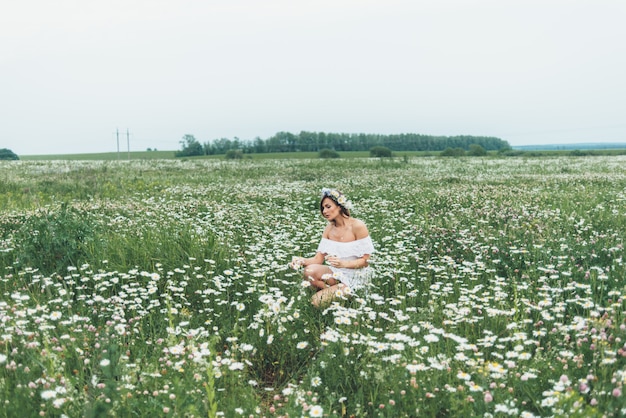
<point x="330" y="209"/>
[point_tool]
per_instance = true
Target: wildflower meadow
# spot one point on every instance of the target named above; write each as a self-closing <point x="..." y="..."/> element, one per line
<point x="150" y="288"/>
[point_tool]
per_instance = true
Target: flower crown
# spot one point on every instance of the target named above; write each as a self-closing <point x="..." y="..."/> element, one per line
<point x="337" y="197"/>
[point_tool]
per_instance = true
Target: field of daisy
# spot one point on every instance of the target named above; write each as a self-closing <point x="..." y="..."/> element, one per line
<point x="162" y="288"/>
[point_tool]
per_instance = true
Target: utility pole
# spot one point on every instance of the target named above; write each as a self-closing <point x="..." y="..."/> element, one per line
<point x="117" y="137"/>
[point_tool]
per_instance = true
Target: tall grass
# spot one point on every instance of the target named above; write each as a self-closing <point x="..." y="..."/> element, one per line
<point x="161" y="287"/>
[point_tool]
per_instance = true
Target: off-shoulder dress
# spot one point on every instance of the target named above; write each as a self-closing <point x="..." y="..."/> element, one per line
<point x="353" y="278"/>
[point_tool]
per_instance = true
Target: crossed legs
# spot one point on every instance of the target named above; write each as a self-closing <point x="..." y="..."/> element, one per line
<point x="320" y="277"/>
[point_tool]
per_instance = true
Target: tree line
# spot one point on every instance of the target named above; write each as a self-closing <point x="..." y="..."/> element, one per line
<point x="317" y="141"/>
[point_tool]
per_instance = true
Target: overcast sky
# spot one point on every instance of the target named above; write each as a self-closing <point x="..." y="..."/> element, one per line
<point x="527" y="71"/>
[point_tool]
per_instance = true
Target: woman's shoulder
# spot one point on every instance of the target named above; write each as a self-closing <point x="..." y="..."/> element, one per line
<point x="359" y="228"/>
<point x="326" y="232"/>
<point x="358" y="223"/>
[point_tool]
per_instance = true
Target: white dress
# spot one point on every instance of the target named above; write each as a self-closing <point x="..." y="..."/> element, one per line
<point x="353" y="278"/>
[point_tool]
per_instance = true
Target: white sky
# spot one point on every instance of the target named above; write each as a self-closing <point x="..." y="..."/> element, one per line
<point x="527" y="71"/>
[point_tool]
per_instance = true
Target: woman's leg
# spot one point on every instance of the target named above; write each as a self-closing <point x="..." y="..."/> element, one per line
<point x="323" y="297"/>
<point x="315" y="274"/>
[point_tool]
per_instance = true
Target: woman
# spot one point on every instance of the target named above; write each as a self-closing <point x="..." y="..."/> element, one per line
<point x="340" y="265"/>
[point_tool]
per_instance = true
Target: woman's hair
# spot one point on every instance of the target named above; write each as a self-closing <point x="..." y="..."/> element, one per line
<point x="339" y="199"/>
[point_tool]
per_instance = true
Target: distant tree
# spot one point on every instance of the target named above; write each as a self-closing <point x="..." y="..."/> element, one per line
<point x="191" y="147"/>
<point x="259" y="145"/>
<point x="328" y="153"/>
<point x="380" y="152"/>
<point x="220" y="146"/>
<point x="7" y="154"/>
<point x="476" y="150"/>
<point x="452" y="152"/>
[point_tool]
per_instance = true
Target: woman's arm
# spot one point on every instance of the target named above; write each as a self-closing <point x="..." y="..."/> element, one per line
<point x="359" y="263"/>
<point x="297" y="262"/>
<point x="318" y="258"/>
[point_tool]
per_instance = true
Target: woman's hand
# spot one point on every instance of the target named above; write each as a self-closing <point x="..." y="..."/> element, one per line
<point x="296" y="262"/>
<point x="337" y="262"/>
<point x="333" y="261"/>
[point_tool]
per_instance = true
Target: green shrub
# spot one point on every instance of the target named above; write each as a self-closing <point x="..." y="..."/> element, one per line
<point x="328" y="153"/>
<point x="234" y="154"/>
<point x="7" y="154"/>
<point x="476" y="150"/>
<point x="453" y="152"/>
<point x="579" y="153"/>
<point x="380" y="152"/>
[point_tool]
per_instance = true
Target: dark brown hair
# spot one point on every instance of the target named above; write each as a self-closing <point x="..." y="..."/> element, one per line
<point x="345" y="212"/>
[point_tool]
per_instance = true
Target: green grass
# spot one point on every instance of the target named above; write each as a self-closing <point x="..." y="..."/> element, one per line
<point x="161" y="287"/>
<point x="150" y="155"/>
<point x="104" y="156"/>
